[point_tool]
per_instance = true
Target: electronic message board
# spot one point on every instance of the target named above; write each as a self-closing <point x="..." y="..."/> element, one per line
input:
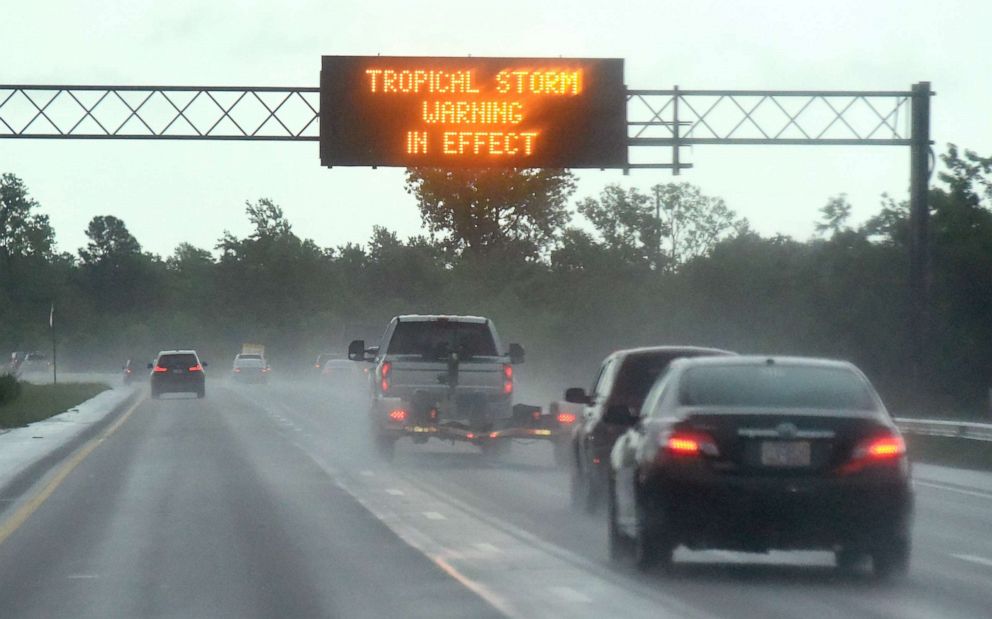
<point x="472" y="112"/>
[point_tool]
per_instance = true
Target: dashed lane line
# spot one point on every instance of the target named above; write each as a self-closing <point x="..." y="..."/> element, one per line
<point x="953" y="488"/>
<point x="571" y="595"/>
<point x="974" y="559"/>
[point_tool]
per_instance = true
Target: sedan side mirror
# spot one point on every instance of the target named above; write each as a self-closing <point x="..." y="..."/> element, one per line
<point x="356" y="350"/>
<point x="516" y="353"/>
<point x="619" y="415"/>
<point x="576" y="395"/>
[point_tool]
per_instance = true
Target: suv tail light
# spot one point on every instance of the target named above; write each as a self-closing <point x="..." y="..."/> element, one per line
<point x="876" y="450"/>
<point x="386" y="368"/>
<point x="507" y="379"/>
<point x="196" y="368"/>
<point x="683" y="444"/>
<point x="159" y="369"/>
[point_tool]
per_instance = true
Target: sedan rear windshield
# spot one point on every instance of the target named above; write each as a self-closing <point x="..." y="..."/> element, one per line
<point x="177" y="361"/>
<point x="437" y="339"/>
<point x="775" y="386"/>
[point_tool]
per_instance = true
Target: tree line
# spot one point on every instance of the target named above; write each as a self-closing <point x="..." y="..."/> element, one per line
<point x="665" y="265"/>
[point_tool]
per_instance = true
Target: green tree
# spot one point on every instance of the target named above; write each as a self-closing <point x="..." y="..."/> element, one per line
<point x="835" y="214"/>
<point x="479" y="209"/>
<point x="23" y="232"/>
<point x="626" y="222"/>
<point x="110" y="242"/>
<point x="692" y="223"/>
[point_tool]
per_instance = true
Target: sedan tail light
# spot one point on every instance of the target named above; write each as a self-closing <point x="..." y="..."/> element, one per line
<point x="876" y="450"/>
<point x="683" y="444"/>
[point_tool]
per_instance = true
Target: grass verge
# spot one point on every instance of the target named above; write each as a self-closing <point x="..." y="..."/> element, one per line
<point x="38" y="402"/>
<point x="948" y="451"/>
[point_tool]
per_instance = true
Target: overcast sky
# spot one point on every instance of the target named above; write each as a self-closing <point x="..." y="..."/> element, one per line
<point x="192" y="191"/>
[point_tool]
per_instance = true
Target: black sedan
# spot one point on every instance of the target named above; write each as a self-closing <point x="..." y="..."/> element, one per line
<point x="757" y="453"/>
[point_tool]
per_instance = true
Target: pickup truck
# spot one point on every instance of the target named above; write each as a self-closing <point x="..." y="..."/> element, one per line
<point x="438" y="376"/>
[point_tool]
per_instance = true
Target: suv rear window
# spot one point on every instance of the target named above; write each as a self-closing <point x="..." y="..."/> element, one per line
<point x="775" y="386"/>
<point x="437" y="339"/>
<point x="639" y="372"/>
<point x="257" y="357"/>
<point x="180" y="360"/>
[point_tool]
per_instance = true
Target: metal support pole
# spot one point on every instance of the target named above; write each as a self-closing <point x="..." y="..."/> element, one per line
<point x="675" y="134"/>
<point x="919" y="241"/>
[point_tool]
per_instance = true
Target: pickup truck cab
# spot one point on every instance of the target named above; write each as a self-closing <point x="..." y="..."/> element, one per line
<point x="438" y="376"/>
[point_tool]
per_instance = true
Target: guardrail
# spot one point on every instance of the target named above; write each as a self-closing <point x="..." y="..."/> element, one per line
<point x="943" y="427"/>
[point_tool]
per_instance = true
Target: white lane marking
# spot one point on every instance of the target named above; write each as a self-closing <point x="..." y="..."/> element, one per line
<point x="434" y="516"/>
<point x="571" y="595"/>
<point x="395" y="491"/>
<point x="974" y="559"/>
<point x="978" y="493"/>
<point x="486" y="547"/>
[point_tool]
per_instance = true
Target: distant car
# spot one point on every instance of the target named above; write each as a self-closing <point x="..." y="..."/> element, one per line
<point x="129" y="371"/>
<point x="323" y="358"/>
<point x="177" y="371"/>
<point x="344" y="373"/>
<point x="624" y="378"/>
<point x="760" y="453"/>
<point x="250" y="368"/>
<point x="35" y="362"/>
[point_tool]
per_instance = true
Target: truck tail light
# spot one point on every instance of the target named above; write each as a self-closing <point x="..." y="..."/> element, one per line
<point x="507" y="379"/>
<point x="398" y="415"/>
<point x="566" y="418"/>
<point x="386" y="369"/>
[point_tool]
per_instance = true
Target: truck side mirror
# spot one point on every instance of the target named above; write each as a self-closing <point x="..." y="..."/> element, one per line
<point x="576" y="395"/>
<point x="516" y="353"/>
<point x="356" y="350"/>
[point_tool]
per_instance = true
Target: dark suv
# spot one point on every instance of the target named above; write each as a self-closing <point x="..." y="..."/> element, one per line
<point x="624" y="379"/>
<point x="177" y="371"/>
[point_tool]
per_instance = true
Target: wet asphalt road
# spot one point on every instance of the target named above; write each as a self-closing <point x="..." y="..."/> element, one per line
<point x="263" y="501"/>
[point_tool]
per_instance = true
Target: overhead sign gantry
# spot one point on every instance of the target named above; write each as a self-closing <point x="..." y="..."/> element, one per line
<point x="505" y="112"/>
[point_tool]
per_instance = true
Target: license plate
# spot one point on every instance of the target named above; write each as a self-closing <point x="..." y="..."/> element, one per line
<point x="785" y="453"/>
<point x="177" y="371"/>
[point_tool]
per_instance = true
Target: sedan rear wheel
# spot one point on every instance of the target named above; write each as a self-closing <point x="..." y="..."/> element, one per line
<point x="891" y="558"/>
<point x="652" y="545"/>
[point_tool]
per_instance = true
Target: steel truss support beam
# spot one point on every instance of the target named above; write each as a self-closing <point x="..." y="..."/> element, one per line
<point x="159" y="112"/>
<point x="676" y="118"/>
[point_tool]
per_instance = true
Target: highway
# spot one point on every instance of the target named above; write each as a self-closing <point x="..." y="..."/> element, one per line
<point x="264" y="501"/>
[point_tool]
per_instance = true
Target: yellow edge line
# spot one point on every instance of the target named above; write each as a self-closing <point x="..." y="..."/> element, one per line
<point x="26" y="510"/>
